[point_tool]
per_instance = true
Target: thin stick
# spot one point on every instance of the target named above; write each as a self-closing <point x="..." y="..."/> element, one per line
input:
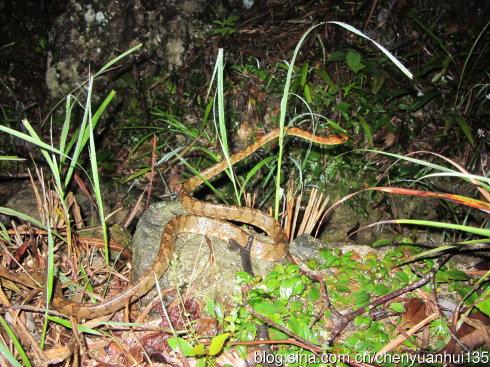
<point x="313" y="347"/>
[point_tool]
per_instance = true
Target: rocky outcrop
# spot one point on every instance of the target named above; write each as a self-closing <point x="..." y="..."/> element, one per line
<point x="90" y="33"/>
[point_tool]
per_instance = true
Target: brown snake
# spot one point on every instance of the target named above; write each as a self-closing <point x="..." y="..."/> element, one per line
<point x="206" y="219"/>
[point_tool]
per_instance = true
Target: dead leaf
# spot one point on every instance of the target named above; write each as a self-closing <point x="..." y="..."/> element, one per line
<point x="473" y="333"/>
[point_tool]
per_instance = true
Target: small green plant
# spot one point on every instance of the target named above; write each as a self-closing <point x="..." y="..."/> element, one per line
<point x="225" y="27"/>
<point x="203" y="353"/>
<point x="293" y="302"/>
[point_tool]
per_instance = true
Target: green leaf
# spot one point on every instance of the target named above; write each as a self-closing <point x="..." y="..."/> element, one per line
<point x="362" y="321"/>
<point x="377" y="83"/>
<point x="353" y="60"/>
<point x="181" y="345"/>
<point x="304" y="74"/>
<point x="465" y="128"/>
<point x="361" y="298"/>
<point x="217" y="344"/>
<point x="456" y="274"/>
<point x="290" y="287"/>
<point x="343" y="288"/>
<point x="397" y="307"/>
<point x="299" y="327"/>
<point x="268" y="308"/>
<point x="243" y="277"/>
<point x="419" y="101"/>
<point x="402" y="277"/>
<point x="381" y="243"/>
<point x="452" y="274"/>
<point x="210" y="307"/>
<point x="324" y="76"/>
<point x="199" y="349"/>
<point x="201" y="362"/>
<point x="307" y="94"/>
<point x="336" y="56"/>
<point x="314" y="293"/>
<point x="367" y="130"/>
<point x="381" y="290"/>
<point x="330" y="258"/>
<point x="484" y="306"/>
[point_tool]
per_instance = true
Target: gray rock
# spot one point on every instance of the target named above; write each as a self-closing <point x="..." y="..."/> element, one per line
<point x="204" y="271"/>
<point x="90" y="33"/>
<point x="22" y="199"/>
<point x="306" y="247"/>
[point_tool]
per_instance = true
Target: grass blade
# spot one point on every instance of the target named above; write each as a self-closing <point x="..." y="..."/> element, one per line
<point x="49" y="282"/>
<point x="116" y="59"/>
<point x="464" y="200"/>
<point x="11" y="158"/>
<point x="462" y="175"/>
<point x="94" y="168"/>
<point x="30" y="139"/>
<point x="254" y="170"/>
<point x="465" y="64"/>
<point x="285" y="96"/>
<point x="66" y="126"/>
<point x="222" y="126"/>
<point x="18" y="346"/>
<point x="80" y="139"/>
<point x="8" y="355"/>
<point x="428" y="223"/>
<point x="80" y="328"/>
<point x="24" y="217"/>
<point x="387" y="53"/>
<point x="206" y="182"/>
<point x="412" y="160"/>
<point x="465" y="128"/>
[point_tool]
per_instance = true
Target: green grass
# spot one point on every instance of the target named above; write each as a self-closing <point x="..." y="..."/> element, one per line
<point x="18" y="346"/>
<point x="62" y="162"/>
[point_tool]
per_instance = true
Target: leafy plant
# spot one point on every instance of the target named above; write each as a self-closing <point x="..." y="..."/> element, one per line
<point x="225" y="27"/>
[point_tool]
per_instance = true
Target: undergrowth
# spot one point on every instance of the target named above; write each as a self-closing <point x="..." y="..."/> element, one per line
<point x="341" y="302"/>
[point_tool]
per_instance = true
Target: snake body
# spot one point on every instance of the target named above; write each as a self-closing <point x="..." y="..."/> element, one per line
<point x="206" y="219"/>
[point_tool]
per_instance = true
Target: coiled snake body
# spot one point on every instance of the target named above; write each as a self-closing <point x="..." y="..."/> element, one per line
<point x="206" y="219"/>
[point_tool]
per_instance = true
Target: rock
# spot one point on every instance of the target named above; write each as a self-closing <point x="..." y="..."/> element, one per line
<point x="90" y="33"/>
<point x="203" y="273"/>
<point x="22" y="199"/>
<point x="306" y="247"/>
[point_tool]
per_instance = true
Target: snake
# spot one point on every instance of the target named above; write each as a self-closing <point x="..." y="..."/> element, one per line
<point x="204" y="218"/>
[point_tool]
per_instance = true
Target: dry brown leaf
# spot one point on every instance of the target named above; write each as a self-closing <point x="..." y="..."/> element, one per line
<point x="473" y="333"/>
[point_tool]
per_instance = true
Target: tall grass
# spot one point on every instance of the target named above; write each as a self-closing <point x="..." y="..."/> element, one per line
<point x="62" y="161"/>
<point x="473" y="234"/>
<point x="220" y="125"/>
<point x="285" y="97"/>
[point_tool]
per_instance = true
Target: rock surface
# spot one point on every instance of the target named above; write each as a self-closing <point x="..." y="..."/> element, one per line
<point x="209" y="271"/>
<point x="203" y="271"/>
<point x="306" y="247"/>
<point x="90" y="33"/>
